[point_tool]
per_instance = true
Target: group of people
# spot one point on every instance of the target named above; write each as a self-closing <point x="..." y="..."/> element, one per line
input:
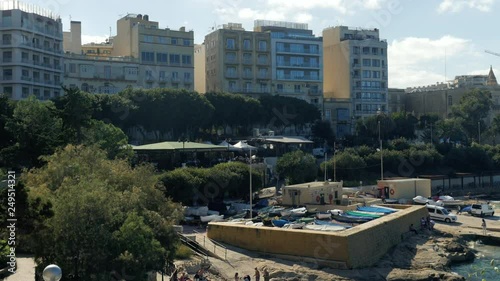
<point x="427" y="223"/>
<point x="199" y="276"/>
<point x="256" y="275"/>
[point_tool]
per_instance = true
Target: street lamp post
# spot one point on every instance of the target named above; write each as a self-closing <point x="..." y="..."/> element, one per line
<point x="52" y="273"/>
<point x="183" y="153"/>
<point x="381" y="154"/>
<point x="251" y="184"/>
<point x="334" y="163"/>
<point x="479" y="132"/>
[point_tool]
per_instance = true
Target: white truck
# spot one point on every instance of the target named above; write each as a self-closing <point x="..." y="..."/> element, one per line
<point x="482" y="210"/>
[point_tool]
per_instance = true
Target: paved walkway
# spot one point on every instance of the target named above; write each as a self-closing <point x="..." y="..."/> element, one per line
<point x="25" y="270"/>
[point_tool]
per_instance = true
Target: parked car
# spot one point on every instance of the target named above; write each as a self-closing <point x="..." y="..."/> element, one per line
<point x="440" y="213"/>
<point x="482" y="210"/>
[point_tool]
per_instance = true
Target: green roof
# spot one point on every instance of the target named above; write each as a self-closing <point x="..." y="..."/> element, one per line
<point x="180" y="146"/>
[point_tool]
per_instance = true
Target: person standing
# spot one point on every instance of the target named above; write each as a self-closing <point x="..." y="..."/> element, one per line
<point x="257" y="274"/>
<point x="484" y="227"/>
<point x="266" y="275"/>
<point x="236" y="277"/>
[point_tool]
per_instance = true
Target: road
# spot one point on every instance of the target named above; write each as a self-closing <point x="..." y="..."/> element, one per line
<point x="25" y="270"/>
<point x="471" y="225"/>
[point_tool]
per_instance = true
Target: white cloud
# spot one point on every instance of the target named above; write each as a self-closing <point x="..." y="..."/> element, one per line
<point x="484" y="72"/>
<point x="93" y="38"/>
<point x="303" y="17"/>
<point x="458" y="5"/>
<point x="420" y="61"/>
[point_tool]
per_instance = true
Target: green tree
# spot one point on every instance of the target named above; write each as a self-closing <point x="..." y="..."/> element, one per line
<point x="297" y="167"/>
<point x="404" y="125"/>
<point x="36" y="131"/>
<point x="471" y="111"/>
<point x="108" y="138"/>
<point x="97" y="204"/>
<point x="323" y="130"/>
<point x="75" y="108"/>
<point x="348" y="165"/>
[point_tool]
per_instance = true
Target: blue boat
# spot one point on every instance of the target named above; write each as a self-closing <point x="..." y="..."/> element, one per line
<point x="279" y="223"/>
<point x="320" y="222"/>
<point x="375" y="210"/>
<point x="351" y="219"/>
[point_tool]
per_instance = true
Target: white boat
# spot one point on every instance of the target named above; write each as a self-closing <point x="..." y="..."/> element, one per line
<point x="324" y="215"/>
<point x="286" y="212"/>
<point x="324" y="227"/>
<point x="450" y="201"/>
<point x="298" y="211"/>
<point x="425" y="201"/>
<point x="294" y="225"/>
<point x="335" y="212"/>
<point x="196" y="211"/>
<point x="383" y="207"/>
<point x="210" y="218"/>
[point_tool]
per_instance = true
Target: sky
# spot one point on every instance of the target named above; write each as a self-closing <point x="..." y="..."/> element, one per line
<point x="428" y="41"/>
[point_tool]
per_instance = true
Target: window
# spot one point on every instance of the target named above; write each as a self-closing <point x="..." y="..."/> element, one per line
<point x="248" y="87"/>
<point x="7" y="74"/>
<point x="175" y="59"/>
<point x="161" y="58"/>
<point x="280" y="47"/>
<point x="230" y="57"/>
<point x="36" y="76"/>
<point x="262" y="72"/>
<point x="280" y="88"/>
<point x="36" y="92"/>
<point x="6" y="39"/>
<point x="296" y="48"/>
<point x="366" y="62"/>
<point x="7" y="56"/>
<point x="247" y="72"/>
<point x="232" y="85"/>
<point x="355" y="50"/>
<point x="186" y="60"/>
<point x="366" y="74"/>
<point x="25" y="92"/>
<point x="376" y="74"/>
<point x="57" y="79"/>
<point x="107" y="71"/>
<point x="450" y="100"/>
<point x="263" y="87"/>
<point x="130" y="70"/>
<point x="162" y="40"/>
<point x="7" y="90"/>
<point x="175" y="75"/>
<point x="366" y="50"/>
<point x="375" y="63"/>
<point x="382" y="51"/>
<point x="230" y="44"/>
<point x="24" y="57"/>
<point x="262" y="59"/>
<point x="186" y="42"/>
<point x="296" y="88"/>
<point x="149" y="74"/>
<point x="313" y="49"/>
<point x="374" y="51"/>
<point x="148" y="56"/>
<point x="173" y="41"/>
<point x="247" y="44"/>
<point x="187" y="76"/>
<point x="231" y="71"/>
<point x="162" y="75"/>
<point x="72" y="68"/>
<point x="46" y="94"/>
<point x="247" y="58"/>
<point x="262" y="45"/>
<point x="328" y="114"/>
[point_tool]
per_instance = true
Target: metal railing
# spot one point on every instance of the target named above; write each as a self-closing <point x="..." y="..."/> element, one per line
<point x="207" y="240"/>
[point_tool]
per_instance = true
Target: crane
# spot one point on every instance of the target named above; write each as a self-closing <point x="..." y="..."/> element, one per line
<point x="492" y="53"/>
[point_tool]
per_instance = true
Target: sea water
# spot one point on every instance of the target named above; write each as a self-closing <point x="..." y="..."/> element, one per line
<point x="486" y="266"/>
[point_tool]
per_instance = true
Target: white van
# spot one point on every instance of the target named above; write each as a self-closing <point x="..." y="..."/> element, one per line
<point x="440" y="213"/>
<point x="482" y="210"/>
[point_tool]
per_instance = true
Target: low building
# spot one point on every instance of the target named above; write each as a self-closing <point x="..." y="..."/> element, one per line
<point x="404" y="188"/>
<point x="319" y="193"/>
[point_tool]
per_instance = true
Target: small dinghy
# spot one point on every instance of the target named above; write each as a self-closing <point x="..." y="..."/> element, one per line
<point x="324" y="215"/>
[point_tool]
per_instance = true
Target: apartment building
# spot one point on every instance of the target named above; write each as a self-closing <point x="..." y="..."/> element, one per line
<point x="355" y="68"/>
<point x="238" y="61"/>
<point x="141" y="55"/>
<point x="199" y="68"/>
<point x="31" y="50"/>
<point x="296" y="60"/>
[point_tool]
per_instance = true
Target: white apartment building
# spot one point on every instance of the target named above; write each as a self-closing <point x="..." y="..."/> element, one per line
<point x="141" y="55"/>
<point x="31" y="50"/>
<point x="296" y="60"/>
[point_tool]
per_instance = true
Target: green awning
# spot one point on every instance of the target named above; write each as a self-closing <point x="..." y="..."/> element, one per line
<point x="179" y="146"/>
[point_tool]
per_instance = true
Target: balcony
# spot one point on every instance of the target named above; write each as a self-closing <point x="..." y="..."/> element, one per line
<point x="247" y="61"/>
<point x="297" y="51"/>
<point x="6" y="42"/>
<point x="7" y="60"/>
<point x="231" y="60"/>
<point x="149" y="78"/>
<point x="175" y="79"/>
<point x="372" y="99"/>
<point x="263" y="62"/>
<point x="188" y="80"/>
<point x="295" y="77"/>
<point x="231" y="74"/>
<point x="25" y="78"/>
<point x="265" y="76"/>
<point x="298" y="65"/>
<point x="247" y="75"/>
<point x="7" y="77"/>
<point x="162" y="80"/>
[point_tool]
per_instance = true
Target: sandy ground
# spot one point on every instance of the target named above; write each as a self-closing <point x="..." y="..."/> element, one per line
<point x="25" y="270"/>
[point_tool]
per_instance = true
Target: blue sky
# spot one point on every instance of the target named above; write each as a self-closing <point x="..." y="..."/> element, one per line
<point x="420" y="34"/>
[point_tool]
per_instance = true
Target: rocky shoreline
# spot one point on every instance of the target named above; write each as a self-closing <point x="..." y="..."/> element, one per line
<point x="421" y="257"/>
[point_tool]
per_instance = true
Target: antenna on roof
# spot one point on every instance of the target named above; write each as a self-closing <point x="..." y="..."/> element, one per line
<point x="110" y="32"/>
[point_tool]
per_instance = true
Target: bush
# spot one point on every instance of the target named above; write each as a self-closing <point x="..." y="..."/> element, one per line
<point x="183" y="252"/>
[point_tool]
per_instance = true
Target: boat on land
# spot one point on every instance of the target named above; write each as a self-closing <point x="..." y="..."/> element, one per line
<point x="421" y="200"/>
<point x="351" y="219"/>
<point x="320" y="222"/>
<point x="210" y="218"/>
<point x="371" y="213"/>
<point x="375" y="210"/>
<point x="324" y="227"/>
<point x="279" y="223"/>
<point x="385" y="208"/>
<point x="359" y="214"/>
<point x="294" y="225"/>
<point x="305" y="220"/>
<point x="335" y="212"/>
<point x="324" y="215"/>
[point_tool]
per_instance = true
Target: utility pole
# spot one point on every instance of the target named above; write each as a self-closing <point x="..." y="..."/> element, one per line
<point x="325" y="164"/>
<point x="334" y="163"/>
<point x="381" y="154"/>
<point x="479" y="132"/>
